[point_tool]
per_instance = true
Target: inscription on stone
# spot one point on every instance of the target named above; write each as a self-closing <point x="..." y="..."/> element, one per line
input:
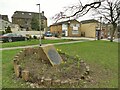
<point x="52" y="54"/>
<point x="54" y="57"/>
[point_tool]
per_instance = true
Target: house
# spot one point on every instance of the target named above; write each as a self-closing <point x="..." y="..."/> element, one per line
<point x="91" y="28"/>
<point x="23" y="19"/>
<point x="87" y="28"/>
<point x="69" y="28"/>
<point x="118" y="11"/>
<point x="5" y="17"/>
<point x="4" y="22"/>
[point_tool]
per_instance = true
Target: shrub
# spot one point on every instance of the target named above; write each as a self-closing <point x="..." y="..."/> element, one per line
<point x="34" y="37"/>
<point x="8" y="30"/>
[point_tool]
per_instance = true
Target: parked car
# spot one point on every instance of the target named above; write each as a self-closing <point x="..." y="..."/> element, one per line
<point x="110" y="38"/>
<point x="11" y="37"/>
<point x="48" y="34"/>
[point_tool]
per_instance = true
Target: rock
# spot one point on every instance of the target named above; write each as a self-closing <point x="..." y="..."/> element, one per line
<point x="16" y="57"/>
<point x="56" y="82"/>
<point x="32" y="85"/>
<point x="73" y="83"/>
<point x="84" y="82"/>
<point x="20" y="51"/>
<point x="47" y="81"/>
<point x="37" y="86"/>
<point x="41" y="82"/>
<point x="87" y="68"/>
<point x="81" y="61"/>
<point x="89" y="79"/>
<point x="15" y="62"/>
<point x="42" y="78"/>
<point x="82" y="77"/>
<point x="66" y="82"/>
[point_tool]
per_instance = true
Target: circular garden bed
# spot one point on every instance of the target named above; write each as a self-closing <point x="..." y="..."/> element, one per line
<point x="29" y="66"/>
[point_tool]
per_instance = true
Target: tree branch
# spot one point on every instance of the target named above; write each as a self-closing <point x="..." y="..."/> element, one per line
<point x="82" y="10"/>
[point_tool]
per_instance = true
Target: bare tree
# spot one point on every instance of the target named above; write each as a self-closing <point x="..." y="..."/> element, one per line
<point x="109" y="11"/>
<point x="76" y="11"/>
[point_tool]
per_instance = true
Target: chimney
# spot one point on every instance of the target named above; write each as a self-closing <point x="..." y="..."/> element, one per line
<point x="42" y="13"/>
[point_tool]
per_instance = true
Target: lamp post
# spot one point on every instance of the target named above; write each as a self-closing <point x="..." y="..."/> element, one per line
<point x="100" y="27"/>
<point x="39" y="23"/>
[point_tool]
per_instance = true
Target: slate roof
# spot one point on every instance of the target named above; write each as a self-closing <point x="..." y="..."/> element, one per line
<point x="5" y="17"/>
<point x="89" y="21"/>
<point x="60" y="23"/>
<point x="27" y="15"/>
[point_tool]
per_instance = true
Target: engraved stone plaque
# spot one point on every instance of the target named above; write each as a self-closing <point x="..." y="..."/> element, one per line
<point x="52" y="54"/>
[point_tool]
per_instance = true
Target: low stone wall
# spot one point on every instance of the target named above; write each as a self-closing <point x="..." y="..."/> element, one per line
<point x="24" y="33"/>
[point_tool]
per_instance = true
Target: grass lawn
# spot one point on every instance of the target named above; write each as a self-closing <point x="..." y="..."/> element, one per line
<point x="8" y="79"/>
<point x="102" y="56"/>
<point x="32" y="42"/>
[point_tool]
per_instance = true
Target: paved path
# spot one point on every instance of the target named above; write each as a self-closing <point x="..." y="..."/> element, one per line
<point x="90" y="39"/>
<point x="20" y="47"/>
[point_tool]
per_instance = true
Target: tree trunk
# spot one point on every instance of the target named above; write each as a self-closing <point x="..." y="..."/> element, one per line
<point x="113" y="32"/>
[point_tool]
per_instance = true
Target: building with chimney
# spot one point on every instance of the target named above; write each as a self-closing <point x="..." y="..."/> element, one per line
<point x="23" y="19"/>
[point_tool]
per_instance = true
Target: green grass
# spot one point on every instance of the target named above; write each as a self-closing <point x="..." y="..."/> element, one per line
<point x="8" y="79"/>
<point x="35" y="42"/>
<point x="100" y="55"/>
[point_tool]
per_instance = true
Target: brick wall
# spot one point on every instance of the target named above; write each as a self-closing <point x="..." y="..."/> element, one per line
<point x="89" y="29"/>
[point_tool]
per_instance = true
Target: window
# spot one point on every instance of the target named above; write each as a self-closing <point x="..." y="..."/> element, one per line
<point x="75" y="30"/>
<point x="30" y="14"/>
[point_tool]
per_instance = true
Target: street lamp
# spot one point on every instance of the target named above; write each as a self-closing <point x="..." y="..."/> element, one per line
<point x="39" y="23"/>
<point x="100" y="26"/>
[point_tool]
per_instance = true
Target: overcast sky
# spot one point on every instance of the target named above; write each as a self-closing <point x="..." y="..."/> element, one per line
<point x="50" y="7"/>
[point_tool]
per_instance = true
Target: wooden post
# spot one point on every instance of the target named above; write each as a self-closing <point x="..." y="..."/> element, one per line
<point x="17" y="70"/>
<point x="25" y="75"/>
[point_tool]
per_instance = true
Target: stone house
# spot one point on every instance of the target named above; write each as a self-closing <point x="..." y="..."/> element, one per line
<point x="4" y="22"/>
<point x="69" y="28"/>
<point x="23" y="19"/>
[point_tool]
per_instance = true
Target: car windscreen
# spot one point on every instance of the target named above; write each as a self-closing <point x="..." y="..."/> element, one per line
<point x="10" y="35"/>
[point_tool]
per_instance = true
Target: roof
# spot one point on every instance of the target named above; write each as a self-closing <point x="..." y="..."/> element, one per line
<point x="65" y="22"/>
<point x="89" y="21"/>
<point x="5" y="17"/>
<point x="27" y="15"/>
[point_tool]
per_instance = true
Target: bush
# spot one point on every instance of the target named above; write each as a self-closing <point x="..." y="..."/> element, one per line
<point x="28" y="36"/>
<point x="2" y="32"/>
<point x="43" y="36"/>
<point x="34" y="37"/>
<point x="8" y="30"/>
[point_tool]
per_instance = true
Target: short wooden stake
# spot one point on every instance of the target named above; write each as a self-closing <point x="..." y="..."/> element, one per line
<point x="25" y="75"/>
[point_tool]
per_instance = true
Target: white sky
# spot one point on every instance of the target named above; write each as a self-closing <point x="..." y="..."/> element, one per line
<point x="50" y="7"/>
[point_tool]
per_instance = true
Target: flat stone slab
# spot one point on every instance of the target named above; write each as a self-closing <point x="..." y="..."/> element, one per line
<point x="52" y="54"/>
